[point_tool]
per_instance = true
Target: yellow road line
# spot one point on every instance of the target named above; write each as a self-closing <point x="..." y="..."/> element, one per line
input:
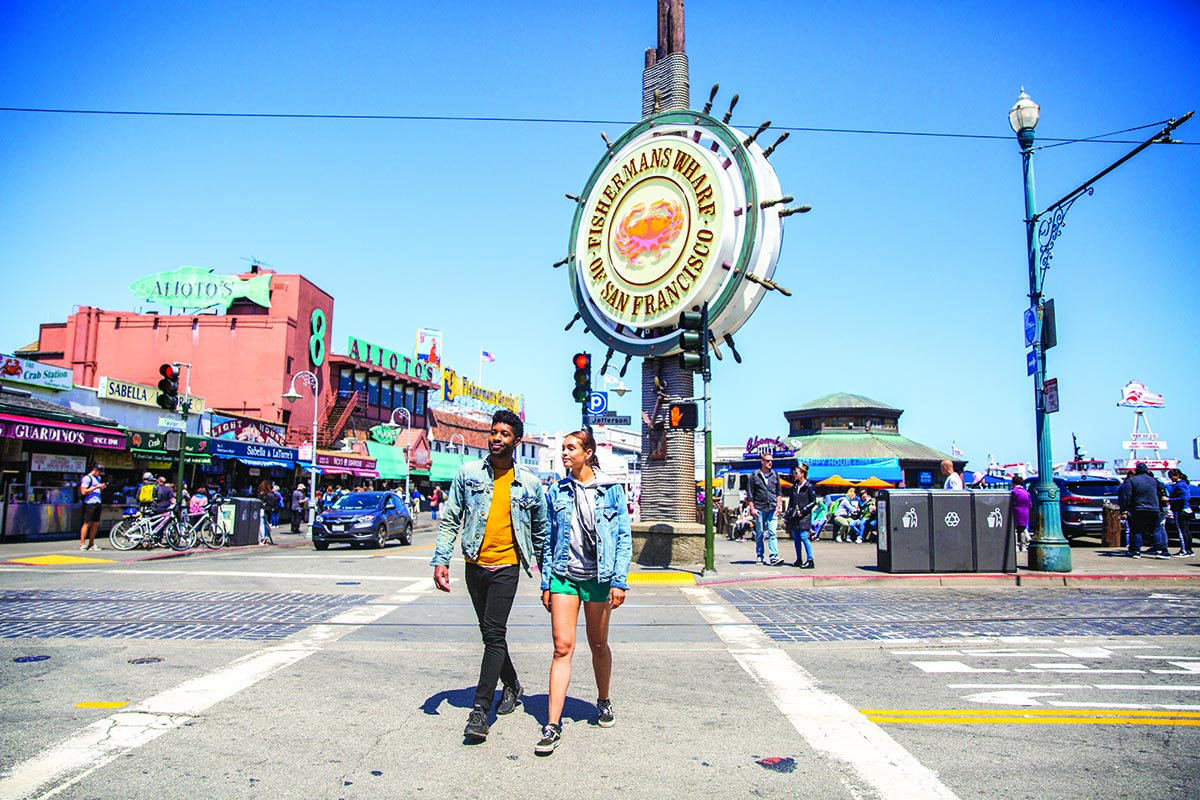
<point x="1035" y="721"/>
<point x="1019" y="713"/>
<point x="1032" y="716"/>
<point x="102" y="704"/>
<point x="661" y="579"/>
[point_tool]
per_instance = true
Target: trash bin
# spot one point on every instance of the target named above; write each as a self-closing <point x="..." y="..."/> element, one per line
<point x="904" y="535"/>
<point x="994" y="542"/>
<point x="1111" y="535"/>
<point x="247" y="521"/>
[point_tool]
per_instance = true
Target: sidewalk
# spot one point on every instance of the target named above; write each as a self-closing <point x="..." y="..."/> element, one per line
<point x="846" y="564"/>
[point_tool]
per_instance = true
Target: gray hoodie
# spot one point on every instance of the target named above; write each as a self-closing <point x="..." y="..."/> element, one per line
<point x="581" y="563"/>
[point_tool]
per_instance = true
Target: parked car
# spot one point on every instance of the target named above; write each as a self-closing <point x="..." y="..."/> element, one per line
<point x="363" y="518"/>
<point x="1081" y="503"/>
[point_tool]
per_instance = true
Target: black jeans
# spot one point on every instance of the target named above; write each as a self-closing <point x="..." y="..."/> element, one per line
<point x="492" y="593"/>
<point x="1141" y="524"/>
<point x="1184" y="523"/>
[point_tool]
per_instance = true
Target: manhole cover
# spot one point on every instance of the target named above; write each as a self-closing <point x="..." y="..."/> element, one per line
<point x="29" y="659"/>
<point x="147" y="660"/>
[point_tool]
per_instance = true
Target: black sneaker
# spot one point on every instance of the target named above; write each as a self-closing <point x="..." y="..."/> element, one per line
<point x="808" y="564"/>
<point x="509" y="699"/>
<point x="551" y="734"/>
<point x="477" y="726"/>
<point x="605" y="718"/>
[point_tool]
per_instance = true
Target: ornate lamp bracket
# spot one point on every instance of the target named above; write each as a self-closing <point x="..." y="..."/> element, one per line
<point x="1049" y="226"/>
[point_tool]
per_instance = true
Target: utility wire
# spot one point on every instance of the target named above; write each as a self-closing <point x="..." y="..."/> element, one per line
<point x="547" y="121"/>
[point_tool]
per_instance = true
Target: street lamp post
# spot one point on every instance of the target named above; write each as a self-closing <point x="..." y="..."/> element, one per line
<point x="310" y="378"/>
<point x="391" y="423"/>
<point x="462" y="446"/>
<point x="1049" y="551"/>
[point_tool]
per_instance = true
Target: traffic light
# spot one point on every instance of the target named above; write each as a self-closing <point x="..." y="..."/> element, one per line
<point x="168" y="387"/>
<point x="685" y="416"/>
<point x="693" y="340"/>
<point x="583" y="377"/>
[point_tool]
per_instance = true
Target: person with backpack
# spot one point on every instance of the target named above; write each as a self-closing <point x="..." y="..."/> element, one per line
<point x="145" y="492"/>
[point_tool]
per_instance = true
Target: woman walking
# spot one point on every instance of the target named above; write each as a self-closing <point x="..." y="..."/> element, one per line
<point x="798" y="517"/>
<point x="1180" y="500"/>
<point x="585" y="559"/>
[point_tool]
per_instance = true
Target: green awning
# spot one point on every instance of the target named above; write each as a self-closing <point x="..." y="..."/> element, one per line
<point x="445" y="466"/>
<point x="389" y="460"/>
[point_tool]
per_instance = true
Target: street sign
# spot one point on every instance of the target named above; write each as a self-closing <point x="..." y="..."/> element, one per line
<point x="608" y="419"/>
<point x="1144" y="444"/>
<point x="1030" y="327"/>
<point x="1050" y="391"/>
<point x="1031" y="362"/>
<point x="597" y="402"/>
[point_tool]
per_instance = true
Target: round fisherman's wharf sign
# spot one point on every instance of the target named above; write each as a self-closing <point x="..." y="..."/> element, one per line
<point x="654" y="232"/>
<point x="672" y="217"/>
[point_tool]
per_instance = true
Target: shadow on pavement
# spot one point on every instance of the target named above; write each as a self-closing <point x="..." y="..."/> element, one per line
<point x="534" y="705"/>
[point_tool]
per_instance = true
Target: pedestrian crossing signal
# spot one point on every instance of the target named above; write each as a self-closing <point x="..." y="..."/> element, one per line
<point x="684" y="416"/>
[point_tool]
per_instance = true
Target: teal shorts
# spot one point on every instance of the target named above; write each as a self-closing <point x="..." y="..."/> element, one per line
<point x="590" y="591"/>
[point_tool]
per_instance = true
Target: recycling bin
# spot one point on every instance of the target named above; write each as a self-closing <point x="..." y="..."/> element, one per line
<point x="247" y="520"/>
<point x="951" y="519"/>
<point x="993" y="531"/>
<point x="904" y="543"/>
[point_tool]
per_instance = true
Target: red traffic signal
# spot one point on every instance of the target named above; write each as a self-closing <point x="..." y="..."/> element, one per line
<point x="168" y="387"/>
<point x="583" y="377"/>
<point x="684" y="416"/>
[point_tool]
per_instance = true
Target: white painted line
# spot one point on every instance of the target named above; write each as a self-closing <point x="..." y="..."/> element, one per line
<point x="230" y="573"/>
<point x="830" y="725"/>
<point x="1096" y="705"/>
<point x="1171" y="658"/>
<point x="1177" y="708"/>
<point x="1052" y="669"/>
<point x="1135" y="647"/>
<point x="72" y="759"/>
<point x="1086" y="652"/>
<point x="925" y="652"/>
<point x="1059" y="666"/>
<point x="951" y="666"/>
<point x="1018" y="686"/>
<point x="1121" y="687"/>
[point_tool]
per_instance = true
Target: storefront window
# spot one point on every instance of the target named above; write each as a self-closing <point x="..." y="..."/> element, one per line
<point x="373" y="390"/>
<point x="409" y="394"/>
<point x="385" y="393"/>
<point x="360" y="381"/>
<point x="419" y="409"/>
<point x="346" y="382"/>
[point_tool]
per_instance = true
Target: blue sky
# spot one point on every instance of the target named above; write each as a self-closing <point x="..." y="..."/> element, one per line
<point x="909" y="275"/>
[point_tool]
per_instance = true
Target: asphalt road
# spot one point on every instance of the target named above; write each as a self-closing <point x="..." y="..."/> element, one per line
<point x="286" y="673"/>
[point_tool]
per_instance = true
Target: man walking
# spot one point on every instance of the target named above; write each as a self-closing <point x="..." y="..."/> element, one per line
<point x="90" y="487"/>
<point x="953" y="479"/>
<point x="1138" y="498"/>
<point x="764" y="505"/>
<point x="499" y="509"/>
<point x="299" y="503"/>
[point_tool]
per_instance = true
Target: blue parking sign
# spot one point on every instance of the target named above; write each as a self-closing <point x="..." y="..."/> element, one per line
<point x="597" y="402"/>
<point x="1030" y="327"/>
<point x="1031" y="362"/>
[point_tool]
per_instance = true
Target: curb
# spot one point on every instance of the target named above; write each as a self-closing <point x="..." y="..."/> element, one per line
<point x="1028" y="580"/>
<point x="198" y="551"/>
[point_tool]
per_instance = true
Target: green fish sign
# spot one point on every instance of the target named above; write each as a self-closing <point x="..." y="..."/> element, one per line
<point x="198" y="287"/>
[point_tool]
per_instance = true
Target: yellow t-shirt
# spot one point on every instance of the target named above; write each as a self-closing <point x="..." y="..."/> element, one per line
<point x="498" y="548"/>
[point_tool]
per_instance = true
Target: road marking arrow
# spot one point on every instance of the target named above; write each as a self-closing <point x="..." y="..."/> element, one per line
<point x="1010" y="698"/>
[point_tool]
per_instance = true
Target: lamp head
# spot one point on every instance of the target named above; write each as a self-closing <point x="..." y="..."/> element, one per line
<point x="1024" y="114"/>
<point x="292" y="395"/>
<point x="620" y="390"/>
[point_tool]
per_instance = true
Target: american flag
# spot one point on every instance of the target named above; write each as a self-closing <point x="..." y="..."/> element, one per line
<point x="486" y="357"/>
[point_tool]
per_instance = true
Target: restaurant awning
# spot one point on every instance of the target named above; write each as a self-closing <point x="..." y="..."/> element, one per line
<point x="14" y="426"/>
<point x="389" y="460"/>
<point x="445" y="466"/>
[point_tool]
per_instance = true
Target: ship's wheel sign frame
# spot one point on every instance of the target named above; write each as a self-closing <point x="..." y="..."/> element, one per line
<point x="671" y="217"/>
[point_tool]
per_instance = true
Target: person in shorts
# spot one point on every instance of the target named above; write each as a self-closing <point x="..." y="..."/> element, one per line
<point x="585" y="560"/>
<point x="90" y="487"/>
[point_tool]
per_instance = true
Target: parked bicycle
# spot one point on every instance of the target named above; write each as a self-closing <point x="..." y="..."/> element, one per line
<point x="138" y="529"/>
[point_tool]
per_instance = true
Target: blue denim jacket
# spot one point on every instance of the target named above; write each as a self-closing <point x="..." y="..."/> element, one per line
<point x="614" y="546"/>
<point x="466" y="512"/>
